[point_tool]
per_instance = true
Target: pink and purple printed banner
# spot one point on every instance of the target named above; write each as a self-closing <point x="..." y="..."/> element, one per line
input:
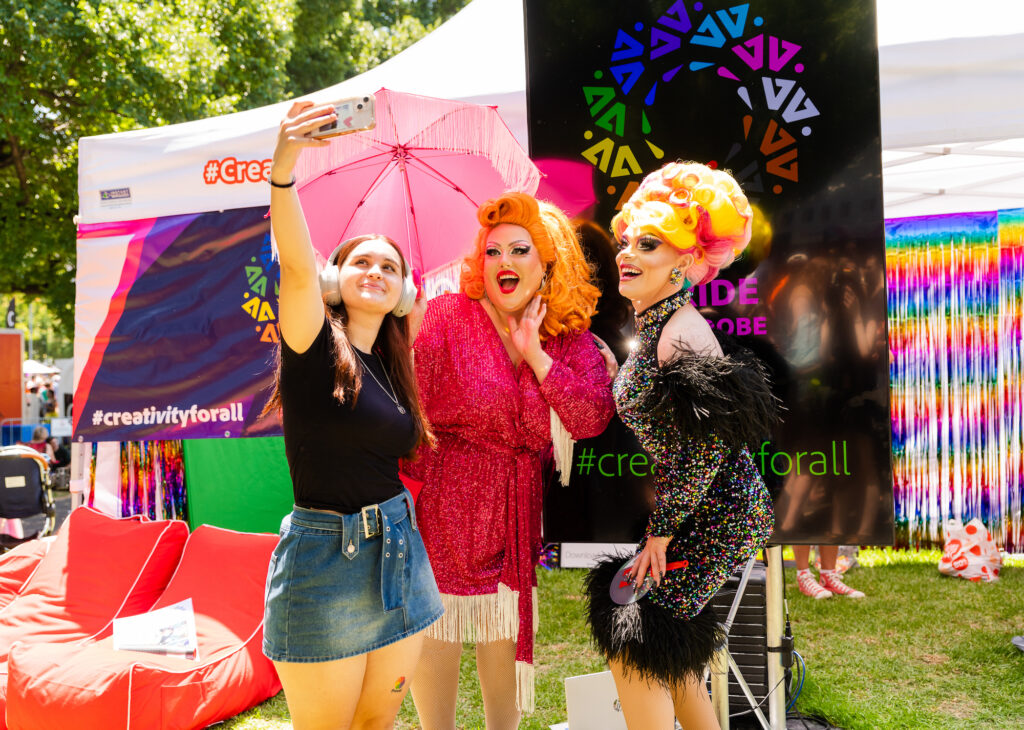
<point x="176" y="323"/>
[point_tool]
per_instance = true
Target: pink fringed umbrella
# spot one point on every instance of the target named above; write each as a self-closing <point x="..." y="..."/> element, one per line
<point x="417" y="177"/>
<point x="569" y="184"/>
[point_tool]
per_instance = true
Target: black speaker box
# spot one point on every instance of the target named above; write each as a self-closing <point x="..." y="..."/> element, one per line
<point x="748" y="642"/>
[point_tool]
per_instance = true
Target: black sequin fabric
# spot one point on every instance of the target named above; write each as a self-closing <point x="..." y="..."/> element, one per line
<point x="710" y="496"/>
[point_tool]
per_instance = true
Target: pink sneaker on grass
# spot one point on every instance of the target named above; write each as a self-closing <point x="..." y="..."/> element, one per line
<point x="832" y="582"/>
<point x="810" y="587"/>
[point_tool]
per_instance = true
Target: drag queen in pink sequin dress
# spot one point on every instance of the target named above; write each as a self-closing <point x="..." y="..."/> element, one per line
<point x="504" y="367"/>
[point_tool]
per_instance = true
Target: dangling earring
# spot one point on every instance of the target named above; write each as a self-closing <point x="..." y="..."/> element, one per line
<point x="543" y="282"/>
<point x="675" y="277"/>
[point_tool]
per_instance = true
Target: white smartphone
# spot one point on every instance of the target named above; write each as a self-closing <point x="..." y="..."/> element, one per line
<point x="355" y="114"/>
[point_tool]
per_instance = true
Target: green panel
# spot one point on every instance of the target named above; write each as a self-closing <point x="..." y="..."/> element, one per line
<point x="240" y="484"/>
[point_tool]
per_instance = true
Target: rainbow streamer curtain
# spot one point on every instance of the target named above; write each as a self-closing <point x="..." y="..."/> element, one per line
<point x="153" y="480"/>
<point x="955" y="339"/>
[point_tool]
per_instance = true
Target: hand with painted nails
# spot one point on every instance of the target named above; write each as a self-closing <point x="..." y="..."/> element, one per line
<point x="652" y="558"/>
<point x="525" y="334"/>
<point x="610" y="364"/>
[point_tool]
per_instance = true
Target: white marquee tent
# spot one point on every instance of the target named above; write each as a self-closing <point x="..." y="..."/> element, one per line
<point x="952" y="100"/>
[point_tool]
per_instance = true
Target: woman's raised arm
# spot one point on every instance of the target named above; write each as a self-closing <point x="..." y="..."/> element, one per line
<point x="301" y="307"/>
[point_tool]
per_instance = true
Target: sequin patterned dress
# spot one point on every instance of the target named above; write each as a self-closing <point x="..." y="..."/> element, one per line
<point x="695" y="416"/>
<point x="479" y="510"/>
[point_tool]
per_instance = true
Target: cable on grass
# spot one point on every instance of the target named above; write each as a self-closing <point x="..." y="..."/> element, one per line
<point x="800" y="685"/>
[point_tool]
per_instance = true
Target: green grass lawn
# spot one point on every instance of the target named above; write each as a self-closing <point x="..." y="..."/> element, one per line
<point x="921" y="651"/>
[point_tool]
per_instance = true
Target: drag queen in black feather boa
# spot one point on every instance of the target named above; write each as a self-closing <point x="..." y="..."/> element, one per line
<point x="695" y="404"/>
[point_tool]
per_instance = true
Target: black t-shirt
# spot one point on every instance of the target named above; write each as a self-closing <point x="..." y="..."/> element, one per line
<point x="340" y="458"/>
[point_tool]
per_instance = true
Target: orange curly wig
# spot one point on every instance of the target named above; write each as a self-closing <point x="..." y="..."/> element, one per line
<point x="570" y="296"/>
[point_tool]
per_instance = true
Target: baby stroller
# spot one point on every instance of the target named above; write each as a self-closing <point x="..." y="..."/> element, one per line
<point x="25" y="492"/>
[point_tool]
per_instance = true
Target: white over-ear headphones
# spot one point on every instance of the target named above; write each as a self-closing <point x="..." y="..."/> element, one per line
<point x="330" y="285"/>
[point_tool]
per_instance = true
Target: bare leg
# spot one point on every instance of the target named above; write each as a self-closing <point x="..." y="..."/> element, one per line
<point x="828" y="555"/>
<point x="802" y="555"/>
<point x="496" y="665"/>
<point x="13" y="527"/>
<point x="693" y="706"/>
<point x="870" y="510"/>
<point x="322" y="695"/>
<point x="436" y="688"/>
<point x="646" y="706"/>
<point x="386" y="682"/>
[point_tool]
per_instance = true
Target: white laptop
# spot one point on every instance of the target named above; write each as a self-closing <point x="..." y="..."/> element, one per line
<point x="593" y="703"/>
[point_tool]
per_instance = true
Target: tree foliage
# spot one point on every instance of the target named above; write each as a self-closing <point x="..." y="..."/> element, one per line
<point x="45" y="339"/>
<point x="72" y="69"/>
<point x="75" y="68"/>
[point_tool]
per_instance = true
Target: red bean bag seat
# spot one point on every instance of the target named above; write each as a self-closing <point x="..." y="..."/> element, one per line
<point x="93" y="686"/>
<point x="97" y="569"/>
<point x="18" y="565"/>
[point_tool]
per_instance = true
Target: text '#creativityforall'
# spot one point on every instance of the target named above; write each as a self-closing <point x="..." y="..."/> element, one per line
<point x="832" y="461"/>
<point x="169" y="415"/>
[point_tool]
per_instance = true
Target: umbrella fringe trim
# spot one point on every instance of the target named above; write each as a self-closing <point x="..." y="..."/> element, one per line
<point x="467" y="128"/>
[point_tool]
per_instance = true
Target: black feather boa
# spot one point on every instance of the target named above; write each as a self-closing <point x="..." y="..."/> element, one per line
<point x="728" y="396"/>
<point x="654" y="644"/>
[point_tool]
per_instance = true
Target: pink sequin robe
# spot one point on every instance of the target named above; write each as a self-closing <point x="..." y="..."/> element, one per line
<point x="480" y="507"/>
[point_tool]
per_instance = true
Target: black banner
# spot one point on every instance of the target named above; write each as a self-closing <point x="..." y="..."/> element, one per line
<point x="783" y="94"/>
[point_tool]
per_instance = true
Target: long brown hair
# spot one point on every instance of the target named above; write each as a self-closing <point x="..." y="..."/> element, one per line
<point x="393" y="343"/>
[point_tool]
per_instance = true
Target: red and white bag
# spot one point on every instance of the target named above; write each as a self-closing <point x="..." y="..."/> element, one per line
<point x="970" y="552"/>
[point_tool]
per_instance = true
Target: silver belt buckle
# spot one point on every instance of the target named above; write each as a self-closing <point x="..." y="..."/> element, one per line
<point x="366" y="525"/>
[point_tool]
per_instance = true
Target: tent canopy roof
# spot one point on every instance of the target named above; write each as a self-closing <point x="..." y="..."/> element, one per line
<point x="952" y="100"/>
<point x="952" y="87"/>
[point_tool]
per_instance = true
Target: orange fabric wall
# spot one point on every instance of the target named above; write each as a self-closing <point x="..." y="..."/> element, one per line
<point x="11" y="385"/>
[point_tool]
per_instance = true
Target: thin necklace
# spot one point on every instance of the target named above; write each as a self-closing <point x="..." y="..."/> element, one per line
<point x="394" y="398"/>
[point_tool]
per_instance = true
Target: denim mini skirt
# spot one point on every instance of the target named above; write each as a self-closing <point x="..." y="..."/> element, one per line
<point x="343" y="585"/>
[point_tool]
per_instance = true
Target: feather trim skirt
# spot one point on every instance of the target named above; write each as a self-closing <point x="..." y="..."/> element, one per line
<point x="646" y="638"/>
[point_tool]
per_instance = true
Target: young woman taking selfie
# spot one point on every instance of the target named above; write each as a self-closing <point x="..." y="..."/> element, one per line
<point x="349" y="590"/>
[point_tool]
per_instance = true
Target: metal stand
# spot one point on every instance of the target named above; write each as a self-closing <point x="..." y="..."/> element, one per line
<point x="78" y="483"/>
<point x="720" y="685"/>
<point x="723" y="661"/>
<point x="775" y="626"/>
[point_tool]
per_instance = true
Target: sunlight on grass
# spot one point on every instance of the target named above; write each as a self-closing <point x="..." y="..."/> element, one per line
<point x="876" y="557"/>
<point x="921" y="651"/>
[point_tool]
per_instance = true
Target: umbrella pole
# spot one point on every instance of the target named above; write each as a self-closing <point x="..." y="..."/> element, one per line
<point x="412" y="230"/>
<point x="380" y="176"/>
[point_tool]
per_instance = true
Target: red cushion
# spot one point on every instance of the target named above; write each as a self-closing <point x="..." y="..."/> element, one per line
<point x="97" y="568"/>
<point x="224" y="573"/>
<point x="17" y="566"/>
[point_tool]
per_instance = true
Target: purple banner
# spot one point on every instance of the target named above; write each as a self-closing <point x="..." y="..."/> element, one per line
<point x="182" y="345"/>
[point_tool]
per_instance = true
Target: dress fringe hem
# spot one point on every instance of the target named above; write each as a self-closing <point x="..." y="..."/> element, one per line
<point x="485" y="618"/>
<point x="525" y="694"/>
<point x="481" y="619"/>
